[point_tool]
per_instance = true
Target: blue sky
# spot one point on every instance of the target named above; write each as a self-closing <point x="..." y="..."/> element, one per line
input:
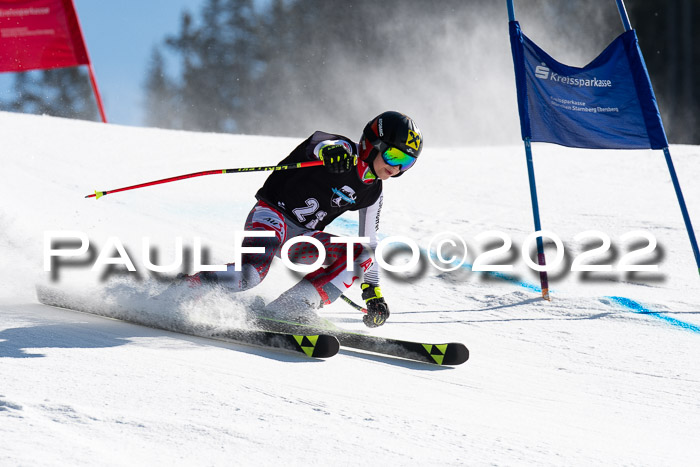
<point x="120" y="35"/>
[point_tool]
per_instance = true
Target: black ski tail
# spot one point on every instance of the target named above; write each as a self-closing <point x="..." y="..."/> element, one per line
<point x="452" y="353"/>
<point x="311" y="344"/>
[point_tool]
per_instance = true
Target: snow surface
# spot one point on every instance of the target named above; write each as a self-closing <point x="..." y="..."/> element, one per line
<point x="608" y="372"/>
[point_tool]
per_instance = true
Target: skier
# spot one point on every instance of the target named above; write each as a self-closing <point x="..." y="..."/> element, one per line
<point x="303" y="202"/>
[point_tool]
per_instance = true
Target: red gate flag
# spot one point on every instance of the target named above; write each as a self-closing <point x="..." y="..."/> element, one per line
<point x="43" y="34"/>
<point x="40" y="34"/>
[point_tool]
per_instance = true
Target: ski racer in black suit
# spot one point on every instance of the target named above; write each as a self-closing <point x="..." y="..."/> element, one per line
<point x="304" y="201"/>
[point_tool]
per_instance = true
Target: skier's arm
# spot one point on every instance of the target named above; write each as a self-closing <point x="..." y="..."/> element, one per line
<point x="377" y="308"/>
<point x="369" y="227"/>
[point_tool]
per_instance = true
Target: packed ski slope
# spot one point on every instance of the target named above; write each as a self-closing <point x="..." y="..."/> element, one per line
<point x="608" y="372"/>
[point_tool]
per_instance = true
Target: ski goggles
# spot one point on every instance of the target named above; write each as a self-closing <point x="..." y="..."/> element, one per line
<point x="397" y="158"/>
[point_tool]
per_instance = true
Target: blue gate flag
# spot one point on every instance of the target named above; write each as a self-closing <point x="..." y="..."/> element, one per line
<point x="607" y="104"/>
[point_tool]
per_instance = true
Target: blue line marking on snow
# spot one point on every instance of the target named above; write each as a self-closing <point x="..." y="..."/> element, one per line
<point x="345" y="224"/>
<point x="499" y="275"/>
<point x="638" y="308"/>
<point x="348" y="224"/>
<point x="624" y="302"/>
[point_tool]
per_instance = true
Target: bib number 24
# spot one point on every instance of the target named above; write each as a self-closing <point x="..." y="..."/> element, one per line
<point x="310" y="210"/>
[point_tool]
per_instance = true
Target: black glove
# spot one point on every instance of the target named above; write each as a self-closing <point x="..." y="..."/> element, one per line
<point x="377" y="309"/>
<point x="336" y="159"/>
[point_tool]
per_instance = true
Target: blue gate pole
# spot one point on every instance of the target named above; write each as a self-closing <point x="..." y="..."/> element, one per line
<point x="623" y="15"/>
<point x="544" y="281"/>
<point x="511" y="11"/>
<point x="684" y="209"/>
<point x="669" y="163"/>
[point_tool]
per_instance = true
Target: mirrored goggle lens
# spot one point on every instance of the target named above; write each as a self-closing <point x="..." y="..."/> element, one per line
<point x="398" y="158"/>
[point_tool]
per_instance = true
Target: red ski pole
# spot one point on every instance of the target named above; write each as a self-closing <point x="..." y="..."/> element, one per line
<point x="299" y="165"/>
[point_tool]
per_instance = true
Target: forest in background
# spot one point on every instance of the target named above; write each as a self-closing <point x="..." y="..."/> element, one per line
<point x="242" y="66"/>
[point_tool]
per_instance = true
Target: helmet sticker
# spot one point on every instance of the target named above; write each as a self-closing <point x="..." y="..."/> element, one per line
<point x="413" y="140"/>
